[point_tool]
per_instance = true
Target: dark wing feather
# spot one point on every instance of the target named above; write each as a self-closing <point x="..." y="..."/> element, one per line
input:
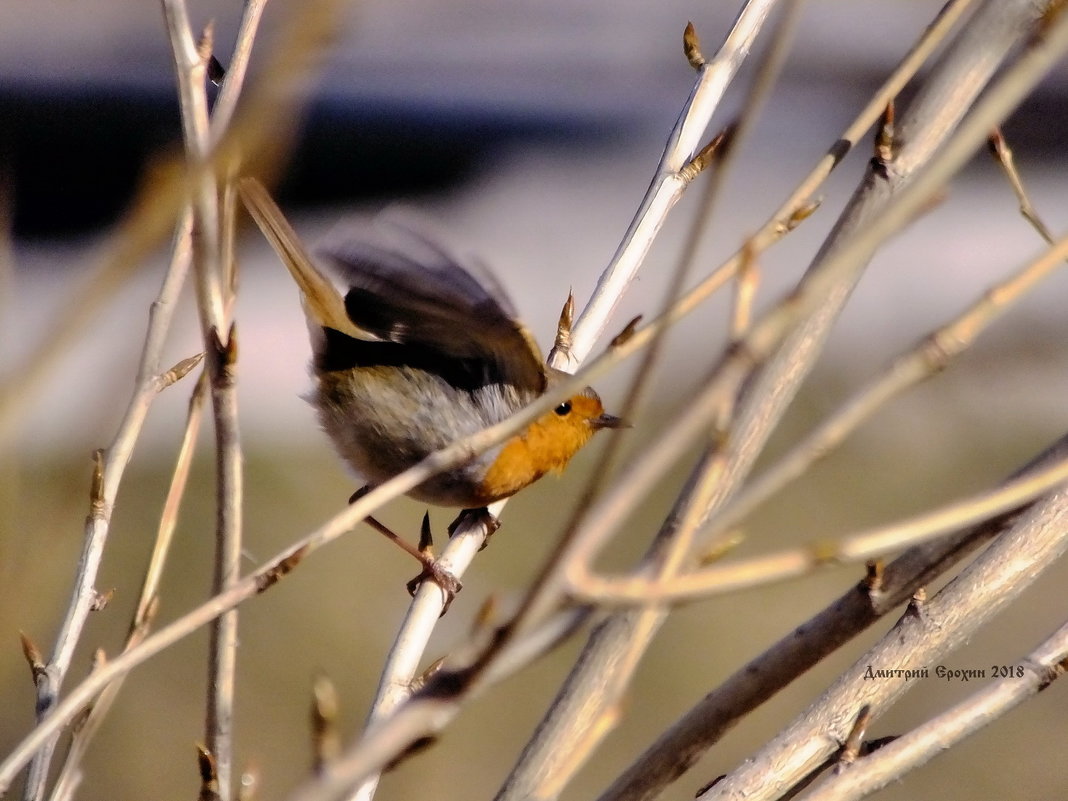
<point x="407" y="289"/>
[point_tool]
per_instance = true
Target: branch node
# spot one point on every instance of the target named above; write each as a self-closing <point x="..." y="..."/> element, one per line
<point x="97" y="504"/>
<point x="885" y="145"/>
<point x="714" y="150"/>
<point x="873" y="579"/>
<point x="209" y="777"/>
<point x="627" y="332"/>
<point x="206" y="43"/>
<point x="937" y="350"/>
<point x="280" y="569"/>
<point x="562" y="343"/>
<point x="225" y="355"/>
<point x="802" y="212"/>
<point x="420" y="681"/>
<point x="691" y="47"/>
<point x="853" y="742"/>
<point x="917" y="603"/>
<point x="101" y="600"/>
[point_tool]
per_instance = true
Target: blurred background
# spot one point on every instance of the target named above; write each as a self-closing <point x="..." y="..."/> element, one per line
<point x="529" y="132"/>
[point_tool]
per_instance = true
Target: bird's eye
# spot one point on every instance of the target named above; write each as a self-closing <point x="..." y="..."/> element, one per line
<point x="563" y="409"/>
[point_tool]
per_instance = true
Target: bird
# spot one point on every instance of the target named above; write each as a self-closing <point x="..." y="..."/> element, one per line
<point x="420" y="350"/>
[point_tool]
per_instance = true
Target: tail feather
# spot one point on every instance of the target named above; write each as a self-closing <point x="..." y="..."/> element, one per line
<point x="322" y="301"/>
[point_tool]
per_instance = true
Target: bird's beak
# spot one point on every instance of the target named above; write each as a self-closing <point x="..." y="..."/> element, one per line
<point x="608" y="421"/>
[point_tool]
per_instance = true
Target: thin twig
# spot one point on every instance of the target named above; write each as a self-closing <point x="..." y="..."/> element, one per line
<point x="796" y="562"/>
<point x="148" y="601"/>
<point x="157" y="330"/>
<point x="190" y="61"/>
<point x="668" y="184"/>
<point x="97" y="525"/>
<point x="928" y="358"/>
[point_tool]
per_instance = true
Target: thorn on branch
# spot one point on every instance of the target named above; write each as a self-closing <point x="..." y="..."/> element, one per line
<point x="874" y="575"/>
<point x="721" y="547"/>
<point x="426" y="537"/>
<point x="280" y="570"/>
<point x="916" y="603"/>
<point x="206" y="43"/>
<point x="209" y="778"/>
<point x="562" y="343"/>
<point x="486" y="616"/>
<point x="802" y="213"/>
<point x="145" y="615"/>
<point x="884" y="142"/>
<point x="418" y="745"/>
<point x="627" y="332"/>
<point x="101" y="600"/>
<point x="999" y="148"/>
<point x="420" y="681"/>
<point x="97" y="507"/>
<point x="705" y="788"/>
<point x="1052" y="672"/>
<point x="178" y="372"/>
<point x="100" y="659"/>
<point x="691" y="47"/>
<point x="326" y="741"/>
<point x="853" y="742"/>
<point x="216" y="72"/>
<point x="824" y="552"/>
<point x="716" y="149"/>
<point x="33" y="656"/>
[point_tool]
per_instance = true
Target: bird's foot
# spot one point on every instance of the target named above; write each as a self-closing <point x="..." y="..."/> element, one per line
<point x="449" y="584"/>
<point x="480" y="516"/>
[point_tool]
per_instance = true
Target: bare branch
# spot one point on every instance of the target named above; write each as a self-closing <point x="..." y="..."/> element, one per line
<point x="921" y="637"/>
<point x="1020" y="680"/>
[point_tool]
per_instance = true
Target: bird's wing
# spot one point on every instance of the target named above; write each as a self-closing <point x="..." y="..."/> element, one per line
<point x="406" y="288"/>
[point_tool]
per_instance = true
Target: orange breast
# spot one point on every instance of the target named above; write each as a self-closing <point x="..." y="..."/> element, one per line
<point x="546" y="446"/>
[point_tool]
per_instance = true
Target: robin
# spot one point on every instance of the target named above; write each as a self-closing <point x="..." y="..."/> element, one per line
<point x="421" y="352"/>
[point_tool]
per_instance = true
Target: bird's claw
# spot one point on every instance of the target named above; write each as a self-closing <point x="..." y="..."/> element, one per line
<point x="449" y="584"/>
<point x="481" y="516"/>
<point x="432" y="569"/>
